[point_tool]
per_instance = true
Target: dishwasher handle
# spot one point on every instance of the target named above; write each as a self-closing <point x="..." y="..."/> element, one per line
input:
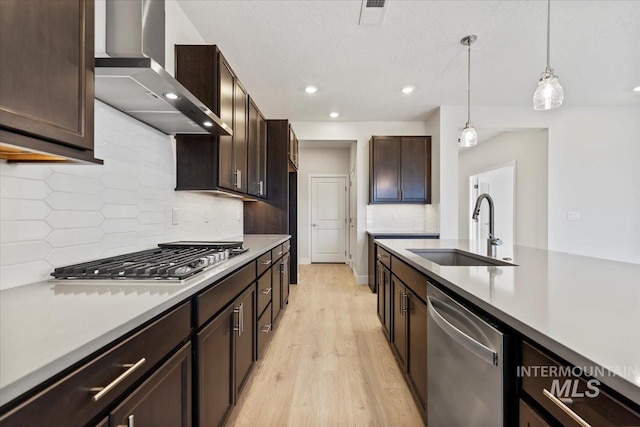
<point x="482" y="351"/>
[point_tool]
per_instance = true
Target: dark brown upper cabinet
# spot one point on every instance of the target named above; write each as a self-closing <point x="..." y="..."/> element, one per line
<point x="213" y="162"/>
<point x="47" y="80"/>
<point x="294" y="150"/>
<point x="257" y="152"/>
<point x="400" y="169"/>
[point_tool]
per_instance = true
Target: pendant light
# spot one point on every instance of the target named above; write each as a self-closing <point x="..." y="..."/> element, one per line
<point x="549" y="93"/>
<point x="469" y="137"/>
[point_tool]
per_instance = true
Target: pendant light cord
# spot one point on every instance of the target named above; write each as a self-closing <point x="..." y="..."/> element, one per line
<point x="469" y="84"/>
<point x="548" y="34"/>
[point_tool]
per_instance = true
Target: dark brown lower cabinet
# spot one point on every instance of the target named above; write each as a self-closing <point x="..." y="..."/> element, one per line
<point x="215" y="379"/>
<point x="244" y="337"/>
<point x="225" y="357"/>
<point x="399" y="322"/>
<point x="416" y="314"/>
<point x="284" y="279"/>
<point x="162" y="400"/>
<point x="276" y="294"/>
<point x="383" y="286"/>
<point x="264" y="330"/>
<point x="409" y="337"/>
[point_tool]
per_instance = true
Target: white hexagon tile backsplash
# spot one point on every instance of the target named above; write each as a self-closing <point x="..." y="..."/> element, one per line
<point x="53" y="215"/>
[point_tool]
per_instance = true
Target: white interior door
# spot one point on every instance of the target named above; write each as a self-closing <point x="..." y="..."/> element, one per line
<point x="328" y="219"/>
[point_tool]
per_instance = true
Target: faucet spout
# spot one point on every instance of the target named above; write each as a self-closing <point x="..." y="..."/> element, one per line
<point x="492" y="241"/>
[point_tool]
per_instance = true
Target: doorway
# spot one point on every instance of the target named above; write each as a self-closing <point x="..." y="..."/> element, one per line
<point x="499" y="183"/>
<point x="328" y="214"/>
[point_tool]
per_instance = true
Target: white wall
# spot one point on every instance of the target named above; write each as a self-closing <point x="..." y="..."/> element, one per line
<point x="53" y="215"/>
<point x="322" y="161"/>
<point x="361" y="132"/>
<point x="528" y="149"/>
<point x="594" y="154"/>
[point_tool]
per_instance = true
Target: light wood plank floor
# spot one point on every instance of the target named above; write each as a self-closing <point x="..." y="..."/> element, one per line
<point x="328" y="363"/>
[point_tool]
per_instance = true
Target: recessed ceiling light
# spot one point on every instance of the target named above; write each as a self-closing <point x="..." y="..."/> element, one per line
<point x="170" y="95"/>
<point x="636" y="89"/>
<point x="311" y="89"/>
<point x="208" y="124"/>
<point x="334" y="114"/>
<point x="408" y="89"/>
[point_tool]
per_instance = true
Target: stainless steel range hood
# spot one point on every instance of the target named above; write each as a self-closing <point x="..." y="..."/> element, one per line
<point x="133" y="79"/>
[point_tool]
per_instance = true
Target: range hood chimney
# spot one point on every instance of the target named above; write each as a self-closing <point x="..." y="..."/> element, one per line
<point x="133" y="79"/>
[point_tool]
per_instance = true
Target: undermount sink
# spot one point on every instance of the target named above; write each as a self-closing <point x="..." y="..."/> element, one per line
<point x="456" y="257"/>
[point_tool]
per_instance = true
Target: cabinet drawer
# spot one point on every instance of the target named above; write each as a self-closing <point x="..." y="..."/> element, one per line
<point x="264" y="292"/>
<point x="411" y="277"/>
<point x="383" y="256"/>
<point x="163" y="399"/>
<point x="76" y="399"/>
<point x="264" y="262"/>
<point x="286" y="246"/>
<point x="568" y="398"/>
<point x="216" y="298"/>
<point x="276" y="253"/>
<point x="265" y="330"/>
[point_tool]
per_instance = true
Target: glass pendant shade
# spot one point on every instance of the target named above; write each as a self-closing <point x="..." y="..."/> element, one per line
<point x="469" y="137"/>
<point x="549" y="93"/>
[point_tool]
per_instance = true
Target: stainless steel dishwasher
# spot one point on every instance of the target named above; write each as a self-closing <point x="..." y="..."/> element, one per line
<point x="465" y="372"/>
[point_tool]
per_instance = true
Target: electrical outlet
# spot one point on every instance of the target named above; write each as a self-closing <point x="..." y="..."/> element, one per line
<point x="207" y="216"/>
<point x="392" y="217"/>
<point x="573" y="216"/>
<point x="239" y="215"/>
<point x="174" y="216"/>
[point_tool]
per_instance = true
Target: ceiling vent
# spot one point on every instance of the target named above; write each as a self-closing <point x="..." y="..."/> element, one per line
<point x="372" y="12"/>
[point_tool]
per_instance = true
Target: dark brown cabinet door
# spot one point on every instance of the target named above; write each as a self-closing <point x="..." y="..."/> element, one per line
<point x="245" y="311"/>
<point x="400" y="169"/>
<point x="417" y="346"/>
<point x="241" y="108"/>
<point x="46" y="71"/>
<point x="226" y="95"/>
<point x="215" y="379"/>
<point x="414" y="169"/>
<point x="399" y="321"/>
<point x="379" y="276"/>
<point x="276" y="282"/>
<point x="383" y="284"/>
<point x="385" y="172"/>
<point x="162" y="400"/>
<point x="387" y="301"/>
<point x="284" y="274"/>
<point x="262" y="149"/>
<point x="256" y="152"/>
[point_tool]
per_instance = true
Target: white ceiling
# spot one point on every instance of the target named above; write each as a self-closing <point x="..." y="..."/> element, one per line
<point x="279" y="47"/>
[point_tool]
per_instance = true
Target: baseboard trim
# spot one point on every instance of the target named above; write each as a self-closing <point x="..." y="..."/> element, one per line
<point x="304" y="261"/>
<point x="362" y="279"/>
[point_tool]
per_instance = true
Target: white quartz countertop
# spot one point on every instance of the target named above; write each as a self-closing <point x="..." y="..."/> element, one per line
<point x="47" y="327"/>
<point x="586" y="310"/>
<point x="386" y="234"/>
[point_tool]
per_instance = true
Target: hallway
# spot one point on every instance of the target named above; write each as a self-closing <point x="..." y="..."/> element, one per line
<point x="332" y="367"/>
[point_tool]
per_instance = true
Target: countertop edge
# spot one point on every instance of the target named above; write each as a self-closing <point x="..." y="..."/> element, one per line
<point x="16" y="389"/>
<point x="401" y="233"/>
<point x="617" y="383"/>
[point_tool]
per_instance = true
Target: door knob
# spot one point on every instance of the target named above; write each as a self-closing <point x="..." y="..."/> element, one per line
<point x="314" y="225"/>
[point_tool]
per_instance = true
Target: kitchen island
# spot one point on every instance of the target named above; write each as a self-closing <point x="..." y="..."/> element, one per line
<point x="583" y="310"/>
<point x="50" y="327"/>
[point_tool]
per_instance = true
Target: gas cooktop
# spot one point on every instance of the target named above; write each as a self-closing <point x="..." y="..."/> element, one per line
<point x="173" y="261"/>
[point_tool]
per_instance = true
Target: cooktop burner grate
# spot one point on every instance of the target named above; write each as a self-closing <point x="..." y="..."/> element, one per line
<point x="175" y="262"/>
